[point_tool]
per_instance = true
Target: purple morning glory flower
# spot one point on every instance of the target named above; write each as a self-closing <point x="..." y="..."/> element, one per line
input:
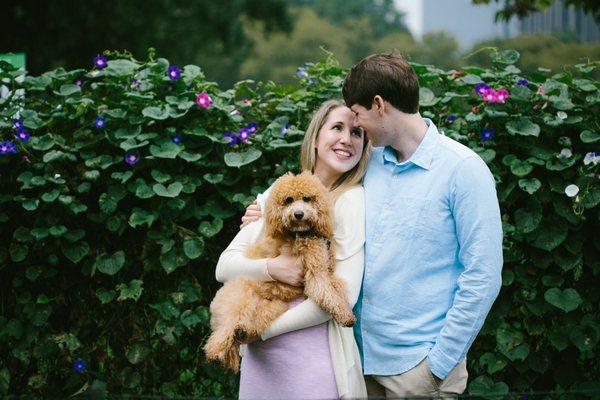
<point x="451" y="118"/>
<point x="8" y="147"/>
<point x="78" y="81"/>
<point x="132" y="158"/>
<point x="176" y="139"/>
<point x="100" y="62"/>
<point x="284" y="130"/>
<point x="18" y="123"/>
<point x="523" y="82"/>
<point x="481" y="87"/>
<point x="301" y="73"/>
<point x="251" y="128"/>
<point x="174" y="73"/>
<point x="22" y="135"/>
<point x="487" y="134"/>
<point x="243" y="134"/>
<point x="233" y="139"/>
<point x="80" y="365"/>
<point x="99" y="122"/>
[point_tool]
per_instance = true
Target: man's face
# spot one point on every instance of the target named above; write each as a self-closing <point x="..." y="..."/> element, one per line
<point x="370" y="122"/>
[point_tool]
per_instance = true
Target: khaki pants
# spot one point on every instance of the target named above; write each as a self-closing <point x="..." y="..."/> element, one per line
<point x="418" y="382"/>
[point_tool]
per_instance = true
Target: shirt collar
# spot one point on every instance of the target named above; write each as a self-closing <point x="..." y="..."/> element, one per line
<point x="423" y="156"/>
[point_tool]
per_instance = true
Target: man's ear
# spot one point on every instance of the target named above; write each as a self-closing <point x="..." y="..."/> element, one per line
<point x="379" y="104"/>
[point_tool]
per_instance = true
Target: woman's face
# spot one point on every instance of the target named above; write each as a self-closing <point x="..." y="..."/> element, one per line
<point x="339" y="145"/>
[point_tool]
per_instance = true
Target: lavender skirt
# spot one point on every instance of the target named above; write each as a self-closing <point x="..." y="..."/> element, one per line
<point x="295" y="365"/>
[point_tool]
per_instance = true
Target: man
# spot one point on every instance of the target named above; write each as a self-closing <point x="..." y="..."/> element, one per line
<point x="433" y="253"/>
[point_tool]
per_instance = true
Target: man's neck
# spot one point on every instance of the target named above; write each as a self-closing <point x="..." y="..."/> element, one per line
<point x="409" y="131"/>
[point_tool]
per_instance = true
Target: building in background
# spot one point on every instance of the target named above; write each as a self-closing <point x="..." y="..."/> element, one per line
<point x="560" y="19"/>
<point x="470" y="23"/>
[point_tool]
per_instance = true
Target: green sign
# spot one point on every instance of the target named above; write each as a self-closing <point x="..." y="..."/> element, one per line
<point x="16" y="59"/>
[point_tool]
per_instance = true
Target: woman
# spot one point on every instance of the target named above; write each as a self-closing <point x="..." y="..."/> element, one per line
<point x="305" y="353"/>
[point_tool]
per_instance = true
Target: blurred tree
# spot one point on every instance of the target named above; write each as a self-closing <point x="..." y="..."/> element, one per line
<point x="385" y="18"/>
<point x="539" y="51"/>
<point x="521" y="8"/>
<point x="203" y="32"/>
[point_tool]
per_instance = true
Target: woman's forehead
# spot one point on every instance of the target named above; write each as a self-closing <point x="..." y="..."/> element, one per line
<point x="340" y="114"/>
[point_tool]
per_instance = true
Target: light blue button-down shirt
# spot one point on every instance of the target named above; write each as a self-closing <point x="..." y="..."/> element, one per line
<point x="433" y="256"/>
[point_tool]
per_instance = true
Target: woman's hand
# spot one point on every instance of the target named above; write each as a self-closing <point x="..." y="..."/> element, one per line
<point x="286" y="268"/>
<point x="252" y="214"/>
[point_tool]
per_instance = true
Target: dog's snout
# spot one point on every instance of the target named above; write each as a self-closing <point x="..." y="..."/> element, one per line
<point x="298" y="214"/>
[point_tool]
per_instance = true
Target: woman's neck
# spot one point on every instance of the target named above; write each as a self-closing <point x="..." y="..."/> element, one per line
<point x="326" y="178"/>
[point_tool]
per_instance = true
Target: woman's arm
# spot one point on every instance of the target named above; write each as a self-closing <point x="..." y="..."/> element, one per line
<point x="350" y="236"/>
<point x="233" y="263"/>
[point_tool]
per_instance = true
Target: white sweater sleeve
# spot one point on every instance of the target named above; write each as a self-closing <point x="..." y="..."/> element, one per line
<point x="349" y="234"/>
<point x="233" y="262"/>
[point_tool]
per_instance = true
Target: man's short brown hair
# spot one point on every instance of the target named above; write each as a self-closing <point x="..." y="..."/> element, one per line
<point x="387" y="75"/>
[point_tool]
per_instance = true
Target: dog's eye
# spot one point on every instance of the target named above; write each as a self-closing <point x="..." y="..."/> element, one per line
<point x="289" y="200"/>
<point x="306" y="198"/>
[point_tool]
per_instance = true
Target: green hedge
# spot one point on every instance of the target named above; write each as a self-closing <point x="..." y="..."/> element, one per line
<point x="107" y="266"/>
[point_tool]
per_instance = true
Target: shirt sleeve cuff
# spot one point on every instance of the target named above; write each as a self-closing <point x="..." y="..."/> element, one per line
<point x="439" y="363"/>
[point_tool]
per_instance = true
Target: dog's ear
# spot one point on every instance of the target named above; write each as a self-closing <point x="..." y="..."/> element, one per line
<point x="273" y="223"/>
<point x="324" y="223"/>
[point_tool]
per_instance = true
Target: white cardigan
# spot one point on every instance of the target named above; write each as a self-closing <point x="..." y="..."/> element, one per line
<point x="349" y="235"/>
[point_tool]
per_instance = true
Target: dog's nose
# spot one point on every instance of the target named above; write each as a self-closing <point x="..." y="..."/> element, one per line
<point x="298" y="214"/>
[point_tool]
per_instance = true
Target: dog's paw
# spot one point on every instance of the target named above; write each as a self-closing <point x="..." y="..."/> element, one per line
<point x="240" y="334"/>
<point x="347" y="320"/>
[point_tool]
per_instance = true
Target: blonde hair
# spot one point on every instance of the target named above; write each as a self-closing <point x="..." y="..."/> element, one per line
<point x="308" y="157"/>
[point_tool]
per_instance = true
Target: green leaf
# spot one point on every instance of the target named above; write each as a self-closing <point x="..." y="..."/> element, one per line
<point x="159" y="176"/>
<point x="4" y="380"/>
<point x="18" y="252"/>
<point x="521" y="168"/>
<point x="550" y="234"/>
<point x="524" y="127"/>
<point x="137" y="353"/>
<point x="191" y="157"/>
<point x="110" y="264"/>
<point x="172" y="260"/>
<point x="505" y="56"/>
<point x="427" y="97"/>
<point x="492" y="363"/>
<point x="166" y="150"/>
<point x="530" y="185"/>
<point x="30" y="204"/>
<point x="243" y="158"/>
<point x="189" y="318"/>
<point x="559" y="337"/>
<point x="172" y="190"/>
<point x="68" y="89"/>
<point x="210" y="229"/>
<point x="131" y="291"/>
<point x="485" y="387"/>
<point x="120" y="67"/>
<point x="49" y="197"/>
<point x="527" y="219"/>
<point x="105" y="296"/>
<point x="158" y="113"/>
<point x="140" y="217"/>
<point x="584" y="337"/>
<point x="588" y="136"/>
<point x="32" y="273"/>
<point x="567" y="300"/>
<point x="75" y="252"/>
<point x="193" y="247"/>
<point x="511" y="342"/>
<point x="42" y="143"/>
<point x="213" y="178"/>
<point x="471" y="79"/>
<point x="57" y="231"/>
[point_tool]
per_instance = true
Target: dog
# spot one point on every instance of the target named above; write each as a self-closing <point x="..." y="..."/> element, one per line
<point x="298" y="214"/>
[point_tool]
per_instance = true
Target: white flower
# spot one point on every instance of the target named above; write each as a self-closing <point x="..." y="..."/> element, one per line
<point x="591" y="158"/>
<point x="566" y="153"/>
<point x="572" y="190"/>
<point x="56" y="175"/>
<point x="561" y="115"/>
